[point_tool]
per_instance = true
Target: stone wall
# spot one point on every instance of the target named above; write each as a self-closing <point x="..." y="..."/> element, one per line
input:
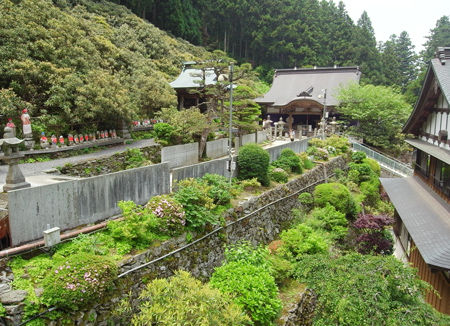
<point x="259" y="220"/>
<point x="73" y="203"/>
<point x="180" y="155"/>
<point x="261" y="136"/>
<point x="114" y="163"/>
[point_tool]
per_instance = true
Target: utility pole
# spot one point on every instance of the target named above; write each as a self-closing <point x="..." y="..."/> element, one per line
<point x="230" y="129"/>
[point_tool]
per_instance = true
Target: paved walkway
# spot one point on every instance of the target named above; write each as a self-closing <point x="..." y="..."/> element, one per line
<point x="34" y="172"/>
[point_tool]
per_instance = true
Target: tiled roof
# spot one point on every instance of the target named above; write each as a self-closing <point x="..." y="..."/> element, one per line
<point x="442" y="72"/>
<point x="435" y="151"/>
<point x="425" y="215"/>
<point x="297" y="84"/>
<point x="191" y="78"/>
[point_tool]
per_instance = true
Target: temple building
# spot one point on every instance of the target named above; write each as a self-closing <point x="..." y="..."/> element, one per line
<point x="422" y="209"/>
<point x="189" y="84"/>
<point x="301" y="96"/>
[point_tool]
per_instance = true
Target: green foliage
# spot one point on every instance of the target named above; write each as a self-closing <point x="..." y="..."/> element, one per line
<point x="187" y="125"/>
<point x="288" y="161"/>
<point x="337" y="195"/>
<point x="280" y="268"/>
<point x="170" y="211"/>
<point x="253" y="162"/>
<point x="366" y="290"/>
<point x="371" y="191"/>
<point x="247" y="253"/>
<point x="252" y="287"/>
<point x="2" y="310"/>
<point x="134" y="158"/>
<point x="364" y="170"/>
<point x="278" y="175"/>
<point x="220" y="190"/>
<point x="183" y="300"/>
<point x="358" y="157"/>
<point x="374" y="166"/>
<point x="249" y="184"/>
<point x="306" y="200"/>
<point x="380" y="110"/>
<point x="301" y="240"/>
<point x="139" y="228"/>
<point x="306" y="162"/>
<point x="328" y="218"/>
<point x="164" y="133"/>
<point x="194" y="197"/>
<point x="341" y="144"/>
<point x="79" y="281"/>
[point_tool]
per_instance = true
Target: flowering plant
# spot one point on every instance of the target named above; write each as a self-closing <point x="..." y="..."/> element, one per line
<point x="170" y="211"/>
<point x="78" y="281"/>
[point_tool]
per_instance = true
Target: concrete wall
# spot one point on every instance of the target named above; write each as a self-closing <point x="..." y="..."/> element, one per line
<point x="248" y="139"/>
<point x="180" y="155"/>
<point x="219" y="166"/>
<point x="73" y="203"/>
<point x="297" y="146"/>
<point x="261" y="136"/>
<point x="217" y="148"/>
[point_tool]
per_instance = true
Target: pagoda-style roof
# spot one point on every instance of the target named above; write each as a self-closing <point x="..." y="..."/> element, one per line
<point x="291" y="85"/>
<point x="437" y="77"/>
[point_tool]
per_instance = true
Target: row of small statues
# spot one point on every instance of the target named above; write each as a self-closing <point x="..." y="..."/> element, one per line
<point x="76" y="139"/>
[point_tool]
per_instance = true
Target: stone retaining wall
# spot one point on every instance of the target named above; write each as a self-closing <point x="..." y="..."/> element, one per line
<point x="259" y="220"/>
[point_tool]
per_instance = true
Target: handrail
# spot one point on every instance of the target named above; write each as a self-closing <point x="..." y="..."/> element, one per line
<point x="384" y="160"/>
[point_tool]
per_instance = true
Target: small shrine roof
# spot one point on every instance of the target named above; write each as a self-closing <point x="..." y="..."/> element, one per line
<point x="308" y="83"/>
<point x="192" y="77"/>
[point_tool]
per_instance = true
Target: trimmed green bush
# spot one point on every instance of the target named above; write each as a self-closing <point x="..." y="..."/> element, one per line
<point x="183" y="300"/>
<point x="292" y="160"/>
<point x="278" y="175"/>
<point x="337" y="195"/>
<point x="301" y="240"/>
<point x="374" y="166"/>
<point x="306" y="200"/>
<point x="80" y="281"/>
<point x="220" y="188"/>
<point x="164" y="133"/>
<point x="364" y="170"/>
<point x="253" y="162"/>
<point x="252" y="287"/>
<point x="358" y="157"/>
<point x="371" y="191"/>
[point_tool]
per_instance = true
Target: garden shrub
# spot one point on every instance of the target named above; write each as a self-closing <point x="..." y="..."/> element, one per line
<point x="134" y="158"/>
<point x="281" y="164"/>
<point x="353" y="176"/>
<point x="80" y="280"/>
<point x="337" y="195"/>
<point x="220" y="189"/>
<point x="253" y="162"/>
<point x="372" y="237"/>
<point x="292" y="160"/>
<point x="374" y="166"/>
<point x="366" y="290"/>
<point x="306" y="200"/>
<point x="371" y="191"/>
<point x="171" y="213"/>
<point x="253" y="288"/>
<point x="183" y="300"/>
<point x="245" y="252"/>
<point x="250" y="184"/>
<point x="316" y="142"/>
<point x="306" y="162"/>
<point x="139" y="228"/>
<point x="331" y="220"/>
<point x="364" y="170"/>
<point x="198" y="206"/>
<point x="358" y="157"/>
<point x="281" y="269"/>
<point x="278" y="175"/>
<point x="301" y="240"/>
<point x="164" y="133"/>
<point x="340" y="144"/>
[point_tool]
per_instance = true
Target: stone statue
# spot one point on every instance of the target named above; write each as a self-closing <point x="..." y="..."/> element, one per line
<point x="25" y="117"/>
<point x="54" y="141"/>
<point x="11" y="125"/>
<point x="61" y="141"/>
<point x="44" y="141"/>
<point x="70" y="139"/>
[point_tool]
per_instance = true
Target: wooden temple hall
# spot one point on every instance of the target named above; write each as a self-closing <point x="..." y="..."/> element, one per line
<point x="299" y="96"/>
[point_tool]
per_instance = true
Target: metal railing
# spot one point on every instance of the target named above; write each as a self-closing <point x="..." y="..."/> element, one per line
<point x="396" y="166"/>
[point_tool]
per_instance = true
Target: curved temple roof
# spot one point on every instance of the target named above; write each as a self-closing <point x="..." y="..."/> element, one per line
<point x="298" y="84"/>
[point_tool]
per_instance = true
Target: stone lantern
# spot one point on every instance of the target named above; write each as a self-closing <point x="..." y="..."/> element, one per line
<point x="10" y="146"/>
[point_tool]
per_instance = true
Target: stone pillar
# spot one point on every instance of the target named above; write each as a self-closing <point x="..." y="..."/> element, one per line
<point x="15" y="178"/>
<point x="125" y="131"/>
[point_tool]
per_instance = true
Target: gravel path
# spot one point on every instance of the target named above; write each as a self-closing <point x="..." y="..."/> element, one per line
<point x="37" y="168"/>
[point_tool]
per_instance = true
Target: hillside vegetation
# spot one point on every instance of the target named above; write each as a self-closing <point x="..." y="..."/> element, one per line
<point x="80" y="65"/>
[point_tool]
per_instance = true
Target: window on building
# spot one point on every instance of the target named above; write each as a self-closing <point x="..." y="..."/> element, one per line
<point x="423" y="163"/>
<point x="442" y="177"/>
